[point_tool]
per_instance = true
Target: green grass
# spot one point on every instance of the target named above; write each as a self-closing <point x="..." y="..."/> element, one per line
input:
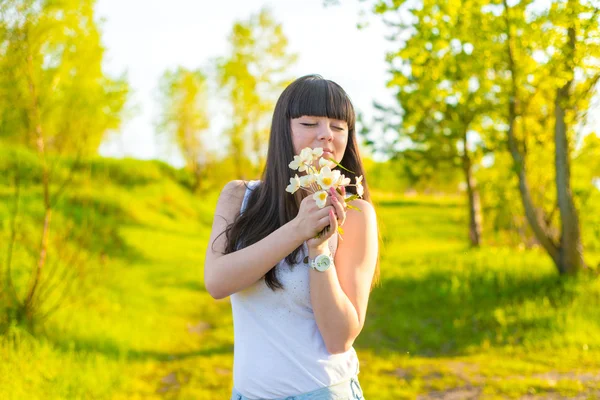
<point x="446" y="320"/>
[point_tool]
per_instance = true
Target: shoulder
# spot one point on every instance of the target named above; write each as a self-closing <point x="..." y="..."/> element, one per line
<point x="362" y="220"/>
<point x="366" y="213"/>
<point x="231" y="197"/>
<point x="234" y="188"/>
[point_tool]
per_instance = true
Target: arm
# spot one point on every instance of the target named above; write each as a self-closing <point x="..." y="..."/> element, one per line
<point x="228" y="274"/>
<point x="340" y="295"/>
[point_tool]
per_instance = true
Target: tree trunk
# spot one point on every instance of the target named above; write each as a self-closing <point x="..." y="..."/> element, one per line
<point x="534" y="215"/>
<point x="475" y="216"/>
<point x="570" y="259"/>
<point x="8" y="288"/>
<point x="197" y="178"/>
<point x="35" y="118"/>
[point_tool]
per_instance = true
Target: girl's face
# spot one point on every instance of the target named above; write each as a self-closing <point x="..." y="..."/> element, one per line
<point x="330" y="134"/>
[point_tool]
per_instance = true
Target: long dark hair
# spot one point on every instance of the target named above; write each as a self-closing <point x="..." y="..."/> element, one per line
<point x="269" y="206"/>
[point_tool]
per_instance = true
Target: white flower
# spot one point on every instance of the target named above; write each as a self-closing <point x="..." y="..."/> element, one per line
<point x="359" y="187"/>
<point x="304" y="160"/>
<point x="317" y="152"/>
<point x="327" y="178"/>
<point x="336" y="177"/>
<point x="306" y="155"/>
<point x="294" y="185"/>
<point x="296" y="163"/>
<point x="307" y="180"/>
<point x="343" y="181"/>
<point x="323" y="162"/>
<point x="320" y="198"/>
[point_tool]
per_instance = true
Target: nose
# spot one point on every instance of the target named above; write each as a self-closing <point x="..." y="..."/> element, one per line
<point x="325" y="133"/>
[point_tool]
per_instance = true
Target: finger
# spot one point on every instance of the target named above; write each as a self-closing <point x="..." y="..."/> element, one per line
<point x="307" y="199"/>
<point x="325" y="221"/>
<point x="333" y="225"/>
<point x="323" y="212"/>
<point x="339" y="196"/>
<point x="336" y="193"/>
<point x="339" y="210"/>
<point x="312" y="205"/>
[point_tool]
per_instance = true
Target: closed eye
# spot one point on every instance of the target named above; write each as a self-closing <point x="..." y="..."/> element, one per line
<point x="335" y="127"/>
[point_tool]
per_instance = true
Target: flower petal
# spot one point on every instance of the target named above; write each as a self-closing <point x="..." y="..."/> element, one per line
<point x="323" y="162"/>
<point x="321" y="198"/>
<point x="307" y="180"/>
<point x="306" y="155"/>
<point x="294" y="184"/>
<point x="326" y="178"/>
<point x="359" y="187"/>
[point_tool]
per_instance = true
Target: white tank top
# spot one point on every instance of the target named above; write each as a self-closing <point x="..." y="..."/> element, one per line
<point x="279" y="350"/>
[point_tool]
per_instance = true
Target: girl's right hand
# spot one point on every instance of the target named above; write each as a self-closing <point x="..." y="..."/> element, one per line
<point x="311" y="219"/>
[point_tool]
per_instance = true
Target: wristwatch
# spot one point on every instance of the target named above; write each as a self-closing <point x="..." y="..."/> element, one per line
<point x="322" y="262"/>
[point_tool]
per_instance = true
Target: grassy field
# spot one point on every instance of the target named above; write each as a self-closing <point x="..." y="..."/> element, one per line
<point x="446" y="322"/>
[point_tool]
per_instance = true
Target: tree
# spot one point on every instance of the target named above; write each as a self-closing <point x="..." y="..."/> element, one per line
<point x="568" y="48"/>
<point x="51" y="77"/>
<point x="253" y="75"/>
<point x="184" y="118"/>
<point x="439" y="75"/>
<point x="538" y="67"/>
<point x="56" y="100"/>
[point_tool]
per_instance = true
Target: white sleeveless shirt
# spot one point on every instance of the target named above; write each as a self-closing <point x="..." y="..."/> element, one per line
<point x="279" y="350"/>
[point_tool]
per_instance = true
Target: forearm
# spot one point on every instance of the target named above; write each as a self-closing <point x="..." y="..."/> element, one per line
<point x="335" y="314"/>
<point x="238" y="270"/>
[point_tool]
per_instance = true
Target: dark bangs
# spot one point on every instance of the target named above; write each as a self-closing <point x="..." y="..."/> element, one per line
<point x="321" y="98"/>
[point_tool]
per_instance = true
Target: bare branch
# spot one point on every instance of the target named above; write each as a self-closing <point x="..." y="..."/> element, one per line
<point x="36" y="122"/>
<point x="69" y="178"/>
<point x="8" y="286"/>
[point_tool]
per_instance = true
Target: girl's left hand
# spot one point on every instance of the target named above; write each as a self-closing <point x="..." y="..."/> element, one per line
<point x="337" y="218"/>
<point x="338" y="202"/>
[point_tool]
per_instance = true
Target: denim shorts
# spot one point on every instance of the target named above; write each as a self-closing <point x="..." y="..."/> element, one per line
<point x="347" y="390"/>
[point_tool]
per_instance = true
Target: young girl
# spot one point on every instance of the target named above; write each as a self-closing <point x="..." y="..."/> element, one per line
<point x="298" y="301"/>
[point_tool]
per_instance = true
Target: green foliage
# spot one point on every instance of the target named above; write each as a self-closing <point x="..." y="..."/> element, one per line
<point x="497" y="321"/>
<point x="506" y="223"/>
<point x="184" y="118"/>
<point x="82" y="233"/>
<point x="405" y="174"/>
<point x="51" y="76"/>
<point x="586" y="187"/>
<point x="454" y="77"/>
<point x="126" y="172"/>
<point x="253" y="75"/>
<point x="19" y="158"/>
<point x="440" y="78"/>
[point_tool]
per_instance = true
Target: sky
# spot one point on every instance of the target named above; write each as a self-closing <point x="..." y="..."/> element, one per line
<point x="145" y="38"/>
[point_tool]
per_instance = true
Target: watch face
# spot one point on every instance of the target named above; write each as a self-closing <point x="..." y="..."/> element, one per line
<point x="322" y="262"/>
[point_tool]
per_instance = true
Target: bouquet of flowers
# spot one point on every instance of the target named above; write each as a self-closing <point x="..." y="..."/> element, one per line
<point x="320" y="177"/>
